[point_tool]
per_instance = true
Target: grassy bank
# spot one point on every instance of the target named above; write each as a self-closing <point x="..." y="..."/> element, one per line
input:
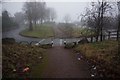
<point x="103" y="53"/>
<point x="37" y="70"/>
<point x="40" y="31"/>
<point x="16" y="56"/>
<point x="77" y="32"/>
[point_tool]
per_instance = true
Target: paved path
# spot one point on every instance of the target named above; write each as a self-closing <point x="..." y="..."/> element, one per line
<point x="15" y="34"/>
<point x="63" y="64"/>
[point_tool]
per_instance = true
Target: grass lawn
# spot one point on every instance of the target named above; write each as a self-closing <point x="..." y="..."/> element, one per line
<point x="40" y="31"/>
<point x="77" y="32"/>
<point x="94" y="49"/>
<point x="106" y="51"/>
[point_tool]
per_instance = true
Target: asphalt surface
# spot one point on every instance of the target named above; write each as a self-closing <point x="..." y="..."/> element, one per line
<point x="62" y="63"/>
<point x="56" y="41"/>
<point x="15" y="34"/>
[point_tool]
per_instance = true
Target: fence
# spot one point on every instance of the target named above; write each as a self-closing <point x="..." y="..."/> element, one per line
<point x="111" y="35"/>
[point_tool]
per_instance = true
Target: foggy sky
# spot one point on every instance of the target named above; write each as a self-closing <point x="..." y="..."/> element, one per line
<point x="74" y="9"/>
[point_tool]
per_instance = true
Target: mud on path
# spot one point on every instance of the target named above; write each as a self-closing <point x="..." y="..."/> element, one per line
<point x="63" y="64"/>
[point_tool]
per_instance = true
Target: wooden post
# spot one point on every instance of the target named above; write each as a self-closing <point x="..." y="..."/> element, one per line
<point x="103" y="37"/>
<point x="117" y="34"/>
<point x="91" y="39"/>
<point x="109" y="35"/>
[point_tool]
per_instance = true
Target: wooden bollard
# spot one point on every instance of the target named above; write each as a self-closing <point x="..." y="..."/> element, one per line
<point x="109" y="35"/>
<point x="91" y="39"/>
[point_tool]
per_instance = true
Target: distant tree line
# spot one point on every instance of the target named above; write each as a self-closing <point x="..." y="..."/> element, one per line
<point x="8" y="22"/>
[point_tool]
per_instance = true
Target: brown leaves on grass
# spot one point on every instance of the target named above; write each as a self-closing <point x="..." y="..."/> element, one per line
<point x="105" y="51"/>
<point x="15" y="54"/>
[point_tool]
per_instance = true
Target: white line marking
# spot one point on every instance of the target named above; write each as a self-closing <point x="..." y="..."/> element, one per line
<point x="39" y="42"/>
<point x="60" y="42"/>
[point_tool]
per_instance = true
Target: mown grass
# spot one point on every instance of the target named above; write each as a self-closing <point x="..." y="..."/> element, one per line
<point x="39" y="31"/>
<point x="77" y="32"/>
<point x="106" y="51"/>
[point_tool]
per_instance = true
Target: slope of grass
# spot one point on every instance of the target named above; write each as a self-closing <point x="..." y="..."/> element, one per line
<point x="39" y="68"/>
<point x="16" y="55"/>
<point x="106" y="53"/>
<point x="40" y="31"/>
<point x="77" y="32"/>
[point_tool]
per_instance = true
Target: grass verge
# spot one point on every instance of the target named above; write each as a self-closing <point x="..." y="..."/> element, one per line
<point x="104" y="53"/>
<point x="77" y="32"/>
<point x="39" y="68"/>
<point x="16" y="57"/>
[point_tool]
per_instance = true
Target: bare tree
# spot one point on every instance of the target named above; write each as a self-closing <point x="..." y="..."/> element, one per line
<point x="96" y="15"/>
<point x="29" y="12"/>
<point x="67" y="18"/>
<point x="42" y="11"/>
<point x="52" y="14"/>
<point x="47" y="17"/>
<point x="118" y="29"/>
<point x="19" y="17"/>
<point x="68" y="27"/>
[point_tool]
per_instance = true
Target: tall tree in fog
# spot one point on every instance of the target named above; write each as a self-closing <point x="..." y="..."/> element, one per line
<point x="50" y="14"/>
<point x="39" y="12"/>
<point x="8" y="22"/>
<point x="29" y="12"/>
<point x="42" y="11"/>
<point x="19" y="18"/>
<point x="118" y="29"/>
<point x="47" y="13"/>
<point x="35" y="11"/>
<point x="67" y="18"/>
<point x="68" y="26"/>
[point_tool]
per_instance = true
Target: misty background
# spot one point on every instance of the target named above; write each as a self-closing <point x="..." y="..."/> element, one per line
<point x="74" y="9"/>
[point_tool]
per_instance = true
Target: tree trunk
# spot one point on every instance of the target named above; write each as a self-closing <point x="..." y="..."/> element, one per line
<point x="101" y="35"/>
<point x="91" y="39"/>
<point x="30" y="25"/>
<point x="118" y="27"/>
<point x="97" y="38"/>
<point x="98" y="28"/>
<point x="41" y="20"/>
<point x="101" y="26"/>
<point x="97" y="34"/>
<point x="109" y="35"/>
<point x="35" y="22"/>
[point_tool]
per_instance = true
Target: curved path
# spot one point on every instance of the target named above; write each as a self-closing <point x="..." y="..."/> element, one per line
<point x="62" y="63"/>
<point x="15" y="34"/>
